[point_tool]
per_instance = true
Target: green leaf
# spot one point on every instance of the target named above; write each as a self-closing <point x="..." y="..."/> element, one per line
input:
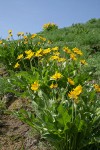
<point x="63" y="116"/>
<point x="51" y="137"/>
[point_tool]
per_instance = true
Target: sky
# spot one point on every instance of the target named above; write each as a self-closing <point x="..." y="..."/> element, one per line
<point x="29" y="16"/>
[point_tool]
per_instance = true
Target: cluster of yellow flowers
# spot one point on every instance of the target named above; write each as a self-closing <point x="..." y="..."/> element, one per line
<point x="40" y="39"/>
<point x="10" y="34"/>
<point x="72" y="94"/>
<point x="73" y="54"/>
<point x="39" y="53"/>
<point x="50" y="26"/>
<point x="54" y="55"/>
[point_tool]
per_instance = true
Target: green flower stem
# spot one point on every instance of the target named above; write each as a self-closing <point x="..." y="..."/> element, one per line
<point x="72" y="111"/>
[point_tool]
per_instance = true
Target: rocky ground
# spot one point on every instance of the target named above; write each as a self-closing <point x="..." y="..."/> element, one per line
<point x="16" y="135"/>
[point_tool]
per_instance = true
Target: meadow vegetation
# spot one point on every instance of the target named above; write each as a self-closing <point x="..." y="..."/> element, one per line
<point x="58" y="71"/>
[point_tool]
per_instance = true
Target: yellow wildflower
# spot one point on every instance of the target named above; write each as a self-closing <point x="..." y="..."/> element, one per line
<point x="46" y="51"/>
<point x="25" y="37"/>
<point x="73" y="56"/>
<point x="97" y="87"/>
<point x="42" y="38"/>
<point x="49" y="42"/>
<point x="35" y="86"/>
<point x="61" y="59"/>
<point x="8" y="38"/>
<point x="67" y="50"/>
<point x="30" y="55"/>
<point x="83" y="62"/>
<point x="39" y="53"/>
<point x="20" y="56"/>
<point x="56" y="76"/>
<point x="17" y="65"/>
<point x="10" y="31"/>
<point x="75" y="92"/>
<point x="53" y="86"/>
<point x="56" y="53"/>
<point x="55" y="48"/>
<point x="20" y="34"/>
<point x="25" y="42"/>
<point x="1" y="42"/>
<point x="28" y="52"/>
<point x="33" y="36"/>
<point x="70" y="81"/>
<point x="54" y="57"/>
<point x="77" y="51"/>
<point x="10" y="34"/>
<point x="78" y="89"/>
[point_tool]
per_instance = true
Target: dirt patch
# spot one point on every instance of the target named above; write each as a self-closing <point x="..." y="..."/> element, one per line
<point x="16" y="135"/>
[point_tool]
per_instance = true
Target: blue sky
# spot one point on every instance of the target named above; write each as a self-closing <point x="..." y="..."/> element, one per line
<point x="30" y="15"/>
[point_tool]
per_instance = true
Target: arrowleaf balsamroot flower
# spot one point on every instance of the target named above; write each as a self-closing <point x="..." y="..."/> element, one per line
<point x="53" y="86"/>
<point x="56" y="76"/>
<point x="1" y="42"/>
<point x="35" y="86"/>
<point x="73" y="56"/>
<point x="30" y="55"/>
<point x="10" y="31"/>
<point x="25" y="37"/>
<point x="75" y="92"/>
<point x="46" y="51"/>
<point x="20" y="56"/>
<point x="67" y="50"/>
<point x="77" y="51"/>
<point x="28" y="52"/>
<point x="97" y="87"/>
<point x="55" y="48"/>
<point x="70" y="81"/>
<point x="83" y="62"/>
<point x="39" y="53"/>
<point x="61" y="59"/>
<point x="56" y="53"/>
<point x="17" y="65"/>
<point x="42" y="38"/>
<point x="33" y="36"/>
<point x="54" y="57"/>
<point x="20" y="34"/>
